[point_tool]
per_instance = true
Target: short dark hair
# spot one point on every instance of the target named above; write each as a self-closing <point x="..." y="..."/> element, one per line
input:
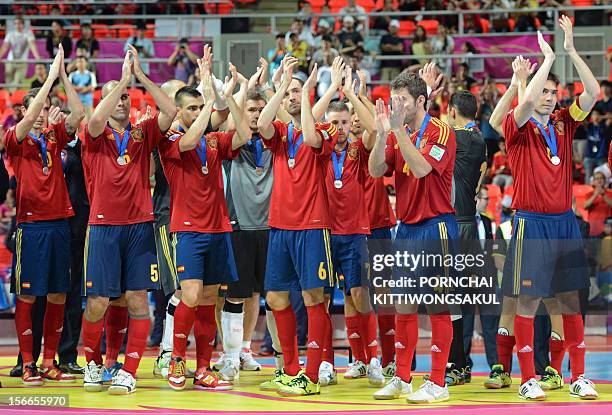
<point x="553" y="77"/>
<point x="415" y="85"/>
<point x="465" y="103"/>
<point x="20" y="18"/>
<point x="326" y="38"/>
<point x="337" y="106"/>
<point x="59" y="23"/>
<point x="189" y="91"/>
<point x="82" y="57"/>
<point x="253" y="95"/>
<point x="280" y="36"/>
<point x="27" y="98"/>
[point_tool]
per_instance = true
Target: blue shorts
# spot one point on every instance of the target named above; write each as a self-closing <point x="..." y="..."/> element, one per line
<point x="120" y="258"/>
<point x="204" y="256"/>
<point x="380" y="233"/>
<point x="41" y="262"/>
<point x="349" y="254"/>
<point x="435" y="236"/>
<point x="545" y="256"/>
<point x="298" y="260"/>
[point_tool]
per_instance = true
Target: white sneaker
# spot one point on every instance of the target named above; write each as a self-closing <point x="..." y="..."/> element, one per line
<point x="327" y="374"/>
<point x="532" y="391"/>
<point x="220" y="363"/>
<point x="375" y="373"/>
<point x="429" y="392"/>
<point x="583" y="388"/>
<point x="92" y="380"/>
<point x="162" y="364"/>
<point x="123" y="384"/>
<point x="231" y="370"/>
<point x="356" y="370"/>
<point x="394" y="389"/>
<point x="389" y="370"/>
<point x="247" y="362"/>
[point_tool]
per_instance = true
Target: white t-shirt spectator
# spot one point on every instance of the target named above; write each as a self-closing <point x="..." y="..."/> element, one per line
<point x="19" y="43"/>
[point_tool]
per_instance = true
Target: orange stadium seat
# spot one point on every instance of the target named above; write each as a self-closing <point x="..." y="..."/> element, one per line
<point x="5" y="113"/>
<point x="17" y="96"/>
<point x="121" y="31"/>
<point x="502" y="88"/>
<point x="4" y="99"/>
<point x="430" y="26"/>
<point x="101" y="30"/>
<point x="97" y="96"/>
<point x="407" y="28"/>
<point x="381" y="92"/>
<point x="511" y="24"/>
<point x="580" y="193"/>
<point x="578" y="88"/>
<point x="582" y="3"/>
<point x="368" y="5"/>
<point x="494" y="206"/>
<point x="485" y="25"/>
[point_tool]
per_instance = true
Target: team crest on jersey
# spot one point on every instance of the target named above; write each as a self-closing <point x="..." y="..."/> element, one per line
<point x="30" y="141"/>
<point x="137" y="135"/>
<point x="50" y="136"/>
<point x="211" y="142"/>
<point x="423" y="142"/>
<point x="110" y="137"/>
<point x="559" y="126"/>
<point x="353" y="152"/>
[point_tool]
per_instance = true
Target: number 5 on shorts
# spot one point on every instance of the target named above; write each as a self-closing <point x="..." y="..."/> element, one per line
<point x="154" y="273"/>
<point x="322" y="271"/>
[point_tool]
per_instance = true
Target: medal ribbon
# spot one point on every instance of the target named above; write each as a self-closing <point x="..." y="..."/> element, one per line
<point x="421" y="130"/>
<point x="339" y="163"/>
<point x="43" y="146"/>
<point x="122" y="143"/>
<point x="551" y="140"/>
<point x="257" y="150"/>
<point x="292" y="148"/>
<point x="471" y="124"/>
<point x="201" y="149"/>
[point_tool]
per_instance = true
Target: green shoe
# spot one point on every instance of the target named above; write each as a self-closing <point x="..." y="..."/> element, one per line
<point x="498" y="378"/>
<point x="300" y="385"/>
<point x="280" y="379"/>
<point x="551" y="380"/>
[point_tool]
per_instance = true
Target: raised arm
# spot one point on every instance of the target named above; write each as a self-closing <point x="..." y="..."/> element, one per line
<point x="167" y="109"/>
<point x="268" y="114"/>
<point x="525" y="109"/>
<point x="220" y="103"/>
<point x="25" y="125"/>
<point x="309" y="131"/>
<point x="591" y="86"/>
<point x="243" y="132"/>
<point x="376" y="163"/>
<point x="192" y="137"/>
<point x="268" y="92"/>
<point x="363" y="92"/>
<point x="77" y="113"/>
<point x="105" y="108"/>
<point x="318" y="111"/>
<point x="418" y="165"/>
<point x="365" y="116"/>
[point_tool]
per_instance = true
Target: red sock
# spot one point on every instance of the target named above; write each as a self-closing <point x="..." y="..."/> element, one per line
<point x="92" y="334"/>
<point x="52" y="331"/>
<point x="137" y="343"/>
<point x="505" y="344"/>
<point x="557" y="352"/>
<point x="441" y="339"/>
<point x="523" y="331"/>
<point x="23" y="325"/>
<point x="355" y="341"/>
<point x="205" y="331"/>
<point x="317" y="322"/>
<point x="386" y="327"/>
<point x="406" y="337"/>
<point x="367" y="322"/>
<point x="573" y="330"/>
<point x="287" y="335"/>
<point x="328" y="350"/>
<point x="116" y="327"/>
<point x="184" y="317"/>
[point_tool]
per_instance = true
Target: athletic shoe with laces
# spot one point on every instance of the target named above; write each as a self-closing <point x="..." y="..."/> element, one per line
<point x="394" y="389"/>
<point x="467" y="374"/>
<point x="231" y="370"/>
<point x="390" y="370"/>
<point x="110" y="372"/>
<point x="280" y="379"/>
<point x="551" y="379"/>
<point x="498" y="378"/>
<point x="248" y="362"/>
<point x="123" y="384"/>
<point x="54" y="374"/>
<point x="375" y="373"/>
<point x="327" y="374"/>
<point x="31" y="376"/>
<point x="583" y="388"/>
<point x="429" y="392"/>
<point x="206" y="380"/>
<point x="162" y="364"/>
<point x="176" y="374"/>
<point x="453" y="376"/>
<point x="92" y="379"/>
<point x="531" y="391"/>
<point x="220" y="363"/>
<point x="301" y="385"/>
<point x="356" y="370"/>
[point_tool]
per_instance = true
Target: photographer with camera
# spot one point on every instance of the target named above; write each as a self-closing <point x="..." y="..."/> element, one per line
<point x="183" y="60"/>
<point x="143" y="46"/>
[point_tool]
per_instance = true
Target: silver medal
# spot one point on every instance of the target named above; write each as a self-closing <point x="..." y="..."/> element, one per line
<point x="259" y="171"/>
<point x="46" y="170"/>
<point x="291" y="163"/>
<point x="205" y="169"/>
<point x="555" y="160"/>
<point x="121" y="161"/>
<point x="338" y="184"/>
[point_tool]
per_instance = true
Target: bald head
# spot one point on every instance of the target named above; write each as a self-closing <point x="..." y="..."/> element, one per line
<point x="171" y="87"/>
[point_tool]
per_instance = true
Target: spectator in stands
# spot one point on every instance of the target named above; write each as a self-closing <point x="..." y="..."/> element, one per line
<point x="501" y="168"/>
<point x="349" y="38"/>
<point x="599" y="204"/>
<point x="444" y="44"/>
<point x="40" y="76"/>
<point x="183" y="60"/>
<point x="11" y="120"/>
<point x="420" y="46"/>
<point x="7" y="211"/>
<point x="507" y="213"/>
<point x="475" y="64"/>
<point x="409" y="6"/>
<point x="326" y="54"/>
<point x="571" y="96"/>
<point x="88" y="42"/>
<point x="499" y="21"/>
<point x="604" y="105"/>
<point x="487" y="105"/>
<point x="598" y="135"/>
<point x="382" y="22"/>
<point x="305" y="13"/>
<point x="357" y="12"/>
<point x="18" y="42"/>
<point x="547" y="17"/>
<point x="525" y="22"/>
<point x="462" y="77"/>
<point x="143" y="45"/>
<point x="391" y="44"/>
<point x="58" y="36"/>
<point x="57" y="11"/>
<point x="303" y="33"/>
<point x="329" y="19"/>
<point x="275" y="56"/>
<point x="323" y="29"/>
<point x="356" y="62"/>
<point x="85" y="84"/>
<point x="299" y="49"/>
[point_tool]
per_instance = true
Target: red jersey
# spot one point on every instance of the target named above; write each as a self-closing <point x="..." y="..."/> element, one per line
<point x="500" y="164"/>
<point x="39" y="196"/>
<point x="299" y="198"/>
<point x="347" y="204"/>
<point x="599" y="211"/>
<point x="197" y="200"/>
<point x="377" y="201"/>
<point x="539" y="185"/>
<point x="120" y="195"/>
<point x="430" y="196"/>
